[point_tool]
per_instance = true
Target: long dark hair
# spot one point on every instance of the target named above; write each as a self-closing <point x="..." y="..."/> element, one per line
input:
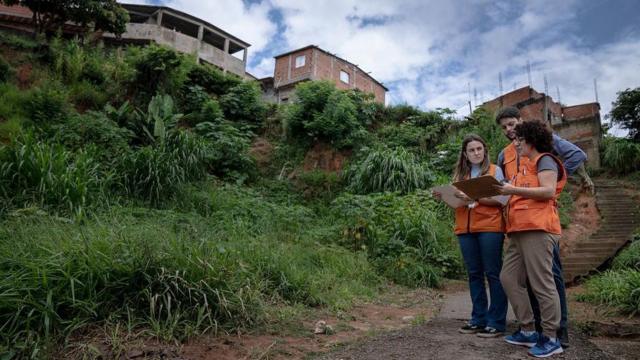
<point x="463" y="166"/>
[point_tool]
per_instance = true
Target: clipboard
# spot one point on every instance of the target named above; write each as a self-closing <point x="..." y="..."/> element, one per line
<point x="448" y="196"/>
<point x="480" y="187"/>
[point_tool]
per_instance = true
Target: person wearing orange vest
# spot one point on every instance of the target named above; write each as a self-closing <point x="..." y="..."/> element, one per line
<point x="533" y="227"/>
<point x="480" y="230"/>
<point x="573" y="159"/>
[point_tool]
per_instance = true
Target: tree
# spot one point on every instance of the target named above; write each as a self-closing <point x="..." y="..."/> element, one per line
<point x="626" y="112"/>
<point x="106" y="15"/>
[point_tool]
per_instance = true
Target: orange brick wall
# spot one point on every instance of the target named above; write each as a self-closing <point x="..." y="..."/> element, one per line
<point x="322" y="66"/>
<point x="286" y="71"/>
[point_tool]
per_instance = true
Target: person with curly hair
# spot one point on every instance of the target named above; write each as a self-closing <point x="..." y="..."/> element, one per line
<point x="533" y="228"/>
<point x="573" y="159"/>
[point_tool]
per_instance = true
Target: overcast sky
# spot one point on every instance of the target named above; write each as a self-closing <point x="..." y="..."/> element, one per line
<point x="429" y="53"/>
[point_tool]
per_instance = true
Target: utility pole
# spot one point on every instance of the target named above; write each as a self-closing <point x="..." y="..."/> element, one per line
<point x="595" y="88"/>
<point x="529" y="72"/>
<point x="558" y="91"/>
<point x="546" y="96"/>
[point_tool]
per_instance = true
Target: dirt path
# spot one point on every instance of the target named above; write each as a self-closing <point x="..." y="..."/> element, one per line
<point x="439" y="339"/>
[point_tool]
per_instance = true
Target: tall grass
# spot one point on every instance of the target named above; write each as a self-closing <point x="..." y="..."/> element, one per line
<point x="36" y="173"/>
<point x="175" y="275"/>
<point x="388" y="170"/>
<point x="619" y="289"/>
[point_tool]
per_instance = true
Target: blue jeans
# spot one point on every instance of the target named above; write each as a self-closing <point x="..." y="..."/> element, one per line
<point x="559" y="280"/>
<point x="482" y="254"/>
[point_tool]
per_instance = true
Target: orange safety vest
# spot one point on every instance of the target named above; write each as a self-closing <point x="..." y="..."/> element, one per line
<point x="481" y="218"/>
<point x="525" y="214"/>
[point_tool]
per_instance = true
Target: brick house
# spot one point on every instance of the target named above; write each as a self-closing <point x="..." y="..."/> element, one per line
<point x="579" y="124"/>
<point x="314" y="63"/>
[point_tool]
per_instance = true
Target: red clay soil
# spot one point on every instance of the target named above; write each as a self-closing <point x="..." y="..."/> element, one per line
<point x="324" y="157"/>
<point x="585" y="220"/>
<point x="261" y="150"/>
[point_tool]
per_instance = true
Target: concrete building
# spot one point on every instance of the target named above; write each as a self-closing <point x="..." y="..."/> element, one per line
<point x="314" y="63"/>
<point x="580" y="124"/>
<point x="164" y="26"/>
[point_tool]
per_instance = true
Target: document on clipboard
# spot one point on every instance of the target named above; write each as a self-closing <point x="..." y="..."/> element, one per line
<point x="482" y="187"/>
<point x="447" y="193"/>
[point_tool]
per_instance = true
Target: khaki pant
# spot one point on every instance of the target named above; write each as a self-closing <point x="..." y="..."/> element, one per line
<point x="529" y="255"/>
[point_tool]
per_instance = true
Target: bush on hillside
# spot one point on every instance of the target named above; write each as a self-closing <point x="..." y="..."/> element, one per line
<point x="227" y="150"/>
<point x="93" y="128"/>
<point x="243" y="104"/>
<point x="158" y="70"/>
<point x="6" y="72"/>
<point x="388" y="170"/>
<point x="47" y="105"/>
<point x="323" y="113"/>
<point x="621" y="156"/>
<point x="212" y="80"/>
<point x="408" y="238"/>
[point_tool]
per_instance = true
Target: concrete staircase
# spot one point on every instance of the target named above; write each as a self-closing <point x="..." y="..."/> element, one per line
<point x="620" y="217"/>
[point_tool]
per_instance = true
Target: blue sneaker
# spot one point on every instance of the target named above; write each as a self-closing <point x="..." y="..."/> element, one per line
<point x="518" y="338"/>
<point x="545" y="347"/>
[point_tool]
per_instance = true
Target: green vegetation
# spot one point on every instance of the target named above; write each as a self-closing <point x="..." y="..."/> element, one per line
<point x="625" y="111"/>
<point x="618" y="287"/>
<point x="620" y="156"/>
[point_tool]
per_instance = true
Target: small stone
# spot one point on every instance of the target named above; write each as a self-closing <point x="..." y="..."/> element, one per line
<point x="408" y="319"/>
<point x="321" y="327"/>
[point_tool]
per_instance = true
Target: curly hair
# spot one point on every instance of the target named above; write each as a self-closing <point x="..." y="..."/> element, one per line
<point x="537" y="134"/>
<point x="507" y="112"/>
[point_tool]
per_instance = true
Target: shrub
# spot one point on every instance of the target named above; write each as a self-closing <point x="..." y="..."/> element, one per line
<point x="408" y="238"/>
<point x="93" y="128"/>
<point x="192" y="98"/>
<point x="212" y="80"/>
<point x="400" y="113"/>
<point x="158" y="70"/>
<point x="87" y="96"/>
<point x="18" y="42"/>
<point x="388" y="170"/>
<point x="6" y="72"/>
<point x="621" y="156"/>
<point x="209" y="111"/>
<point x="243" y="103"/>
<point x="46" y="105"/>
<point x="227" y="150"/>
<point x="319" y="183"/>
<point x="323" y="113"/>
<point x="10" y="129"/>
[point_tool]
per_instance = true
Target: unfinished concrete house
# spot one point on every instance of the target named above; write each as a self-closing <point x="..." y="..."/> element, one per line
<point x="187" y="34"/>
<point x="314" y="63"/>
<point x="162" y="25"/>
<point x="580" y="124"/>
